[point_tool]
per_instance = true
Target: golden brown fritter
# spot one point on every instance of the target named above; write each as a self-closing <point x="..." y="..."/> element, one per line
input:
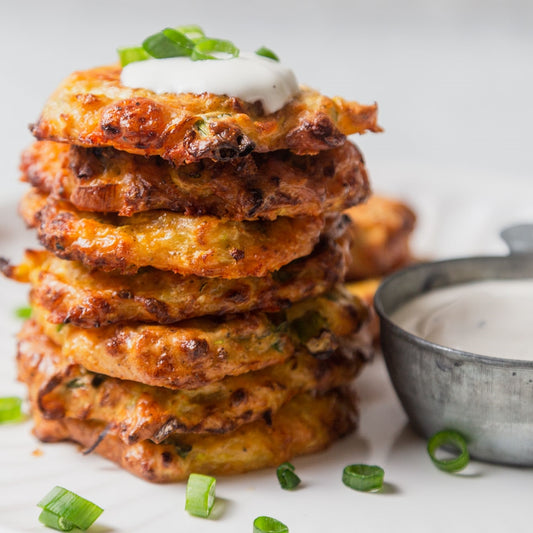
<point x="138" y="412"/>
<point x="198" y="351"/>
<point x="260" y="186"/>
<point x="91" y="108"/>
<point x="184" y="356"/>
<point x="202" y="246"/>
<point x="306" y="424"/>
<point x="89" y="298"/>
<point x="365" y="290"/>
<point x="380" y="237"/>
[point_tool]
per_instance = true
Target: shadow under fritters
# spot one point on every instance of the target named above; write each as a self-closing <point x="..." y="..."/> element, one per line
<point x="188" y="311"/>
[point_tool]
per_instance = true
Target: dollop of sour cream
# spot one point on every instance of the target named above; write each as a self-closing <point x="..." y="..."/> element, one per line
<point x="492" y="318"/>
<point x="249" y="77"/>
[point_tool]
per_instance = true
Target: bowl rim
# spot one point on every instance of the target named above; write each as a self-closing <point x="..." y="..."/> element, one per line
<point x="429" y="346"/>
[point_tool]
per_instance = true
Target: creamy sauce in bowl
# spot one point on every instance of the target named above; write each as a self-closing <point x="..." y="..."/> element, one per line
<point x="492" y="317"/>
<point x="249" y="77"/>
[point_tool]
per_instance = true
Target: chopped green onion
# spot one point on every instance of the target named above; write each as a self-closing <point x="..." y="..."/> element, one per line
<point x="165" y="44"/>
<point x="286" y="476"/>
<point x="69" y="508"/>
<point x="200" y="495"/>
<point x="205" y="47"/>
<point x="10" y="409"/>
<point x="266" y="524"/>
<point x="449" y="438"/>
<point x="180" y="39"/>
<point x="363" y="477"/>
<point x="23" y="312"/>
<point x="132" y="54"/>
<point x="54" y="521"/>
<point x="267" y="52"/>
<point x="192" y="31"/>
<point x="189" y="41"/>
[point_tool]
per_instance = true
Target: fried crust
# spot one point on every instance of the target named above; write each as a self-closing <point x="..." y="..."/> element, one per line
<point x="306" y="424"/>
<point x="201" y="246"/>
<point x="195" y="352"/>
<point x="260" y="186"/>
<point x="185" y="356"/>
<point x="89" y="298"/>
<point x="379" y="232"/>
<point x="92" y="109"/>
<point x="63" y="389"/>
<point x="365" y="290"/>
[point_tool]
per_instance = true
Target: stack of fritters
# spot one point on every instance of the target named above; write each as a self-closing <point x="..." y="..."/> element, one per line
<point x="188" y="312"/>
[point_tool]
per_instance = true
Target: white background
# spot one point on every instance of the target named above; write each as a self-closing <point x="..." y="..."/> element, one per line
<point x="454" y="82"/>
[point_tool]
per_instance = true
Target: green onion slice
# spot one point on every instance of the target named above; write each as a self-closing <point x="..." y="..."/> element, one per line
<point x="179" y="38"/>
<point x="363" y="477"/>
<point x="192" y="31"/>
<point x="10" y="409"/>
<point x="168" y="43"/>
<point x="267" y="52"/>
<point x="266" y="524"/>
<point x="286" y="476"/>
<point x="453" y="439"/>
<point x="205" y="47"/>
<point x="69" y="508"/>
<point x="54" y="521"/>
<point x="132" y="54"/>
<point x="200" y="495"/>
<point x="23" y="312"/>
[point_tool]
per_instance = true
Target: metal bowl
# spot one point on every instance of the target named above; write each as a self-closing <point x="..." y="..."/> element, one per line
<point x="488" y="399"/>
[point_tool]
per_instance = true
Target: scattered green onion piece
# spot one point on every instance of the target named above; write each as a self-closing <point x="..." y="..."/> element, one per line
<point x="132" y="54"/>
<point x="363" y="477"/>
<point x="10" y="409"/>
<point x="23" y="312"/>
<point x="266" y="524"/>
<point x="200" y="495"/>
<point x="161" y="45"/>
<point x="192" y="31"/>
<point x="267" y="52"/>
<point x="449" y="438"/>
<point x="286" y="476"/>
<point x="69" y="507"/>
<point x="54" y="521"/>
<point x="205" y="47"/>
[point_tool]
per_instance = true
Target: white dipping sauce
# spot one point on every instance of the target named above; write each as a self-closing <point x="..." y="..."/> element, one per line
<point x="493" y="318"/>
<point x="249" y="77"/>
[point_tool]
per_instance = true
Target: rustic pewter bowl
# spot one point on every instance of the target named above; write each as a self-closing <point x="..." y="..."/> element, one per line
<point x="488" y="399"/>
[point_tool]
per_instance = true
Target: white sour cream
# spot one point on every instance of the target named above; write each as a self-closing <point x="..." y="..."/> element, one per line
<point x="493" y="318"/>
<point x="249" y="77"/>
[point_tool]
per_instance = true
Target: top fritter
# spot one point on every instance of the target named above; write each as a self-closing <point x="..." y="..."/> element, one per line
<point x="92" y="108"/>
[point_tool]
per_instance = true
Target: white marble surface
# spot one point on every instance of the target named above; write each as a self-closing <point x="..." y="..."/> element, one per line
<point x="454" y="82"/>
